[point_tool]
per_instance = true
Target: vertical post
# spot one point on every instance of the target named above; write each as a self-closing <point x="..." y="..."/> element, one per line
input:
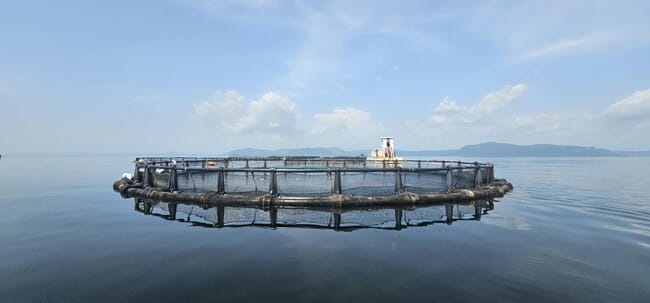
<point x="443" y="163"/>
<point x="491" y="173"/>
<point x="264" y="163"/>
<point x="419" y="163"/>
<point x="137" y="177"/>
<point x="337" y="221"/>
<point x="221" y="211"/>
<point x="478" y="180"/>
<point x="450" y="180"/>
<point x="273" y="183"/>
<point x="337" y="182"/>
<point x="172" y="211"/>
<point x="173" y="180"/>
<point x="489" y="204"/>
<point x="147" y="207"/>
<point x="148" y="177"/>
<point x="246" y="164"/>
<point x="478" y="209"/>
<point x="398" y="218"/>
<point x="449" y="212"/>
<point x="398" y="181"/>
<point x="203" y="164"/>
<point x="274" y="217"/>
<point x="221" y="182"/>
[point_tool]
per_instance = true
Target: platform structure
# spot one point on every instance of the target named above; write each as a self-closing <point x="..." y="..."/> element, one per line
<point x="310" y="181"/>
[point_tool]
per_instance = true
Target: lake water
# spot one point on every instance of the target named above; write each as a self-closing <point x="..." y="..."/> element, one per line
<point x="573" y="230"/>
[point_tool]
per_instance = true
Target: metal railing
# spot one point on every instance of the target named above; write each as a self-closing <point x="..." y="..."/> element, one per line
<point x="324" y="161"/>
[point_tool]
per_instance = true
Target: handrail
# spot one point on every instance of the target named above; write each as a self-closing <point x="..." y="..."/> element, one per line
<point x="293" y="158"/>
<point x="311" y="170"/>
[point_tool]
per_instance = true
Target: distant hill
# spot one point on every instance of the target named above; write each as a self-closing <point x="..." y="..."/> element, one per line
<point x="309" y="151"/>
<point x="488" y="149"/>
<point x="641" y="153"/>
<point x="494" y="149"/>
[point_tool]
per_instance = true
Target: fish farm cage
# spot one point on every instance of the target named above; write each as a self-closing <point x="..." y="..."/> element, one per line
<point x="309" y="181"/>
<point x="332" y="218"/>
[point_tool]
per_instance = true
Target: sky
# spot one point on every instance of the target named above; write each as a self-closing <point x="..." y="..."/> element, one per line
<point x="206" y="77"/>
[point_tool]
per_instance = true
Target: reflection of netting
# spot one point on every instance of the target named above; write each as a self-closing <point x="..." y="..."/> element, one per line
<point x="424" y="182"/>
<point x="439" y="213"/>
<point x="306" y="184"/>
<point x="303" y="216"/>
<point x="368" y="183"/>
<point x="368" y="218"/>
<point x="381" y="218"/>
<point x="425" y="214"/>
<point x="205" y="215"/>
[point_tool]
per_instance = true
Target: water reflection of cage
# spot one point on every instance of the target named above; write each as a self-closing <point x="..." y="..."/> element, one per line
<point x="316" y="218"/>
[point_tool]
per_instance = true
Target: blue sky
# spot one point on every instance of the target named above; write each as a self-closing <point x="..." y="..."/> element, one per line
<point x="201" y="76"/>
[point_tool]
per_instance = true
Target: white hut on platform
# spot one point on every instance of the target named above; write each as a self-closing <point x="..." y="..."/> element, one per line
<point x="386" y="152"/>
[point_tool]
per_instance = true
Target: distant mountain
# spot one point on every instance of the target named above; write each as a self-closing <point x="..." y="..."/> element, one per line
<point x="640" y="153"/>
<point x="309" y="151"/>
<point x="425" y="153"/>
<point x="488" y="149"/>
<point x="494" y="149"/>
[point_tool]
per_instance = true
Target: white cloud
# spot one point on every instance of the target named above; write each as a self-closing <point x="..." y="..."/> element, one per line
<point x="448" y="112"/>
<point x="549" y="123"/>
<point x="633" y="107"/>
<point x="623" y="123"/>
<point x="346" y="122"/>
<point x="348" y="128"/>
<point x="271" y="114"/>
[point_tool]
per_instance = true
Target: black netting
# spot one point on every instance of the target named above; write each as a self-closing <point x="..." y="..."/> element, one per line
<point x="202" y="174"/>
<point x="305" y="184"/>
<point x="160" y="178"/>
<point x="247" y="182"/>
<point x="197" y="181"/>
<point x="463" y="178"/>
<point x="368" y="183"/>
<point x="425" y="182"/>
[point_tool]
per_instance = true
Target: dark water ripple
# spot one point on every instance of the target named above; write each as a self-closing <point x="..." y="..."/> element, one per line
<point x="574" y="229"/>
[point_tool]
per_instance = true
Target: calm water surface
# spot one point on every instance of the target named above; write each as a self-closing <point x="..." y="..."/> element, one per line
<point x="574" y="229"/>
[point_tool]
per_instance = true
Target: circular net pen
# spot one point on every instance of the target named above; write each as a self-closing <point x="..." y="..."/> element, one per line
<point x="309" y="181"/>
